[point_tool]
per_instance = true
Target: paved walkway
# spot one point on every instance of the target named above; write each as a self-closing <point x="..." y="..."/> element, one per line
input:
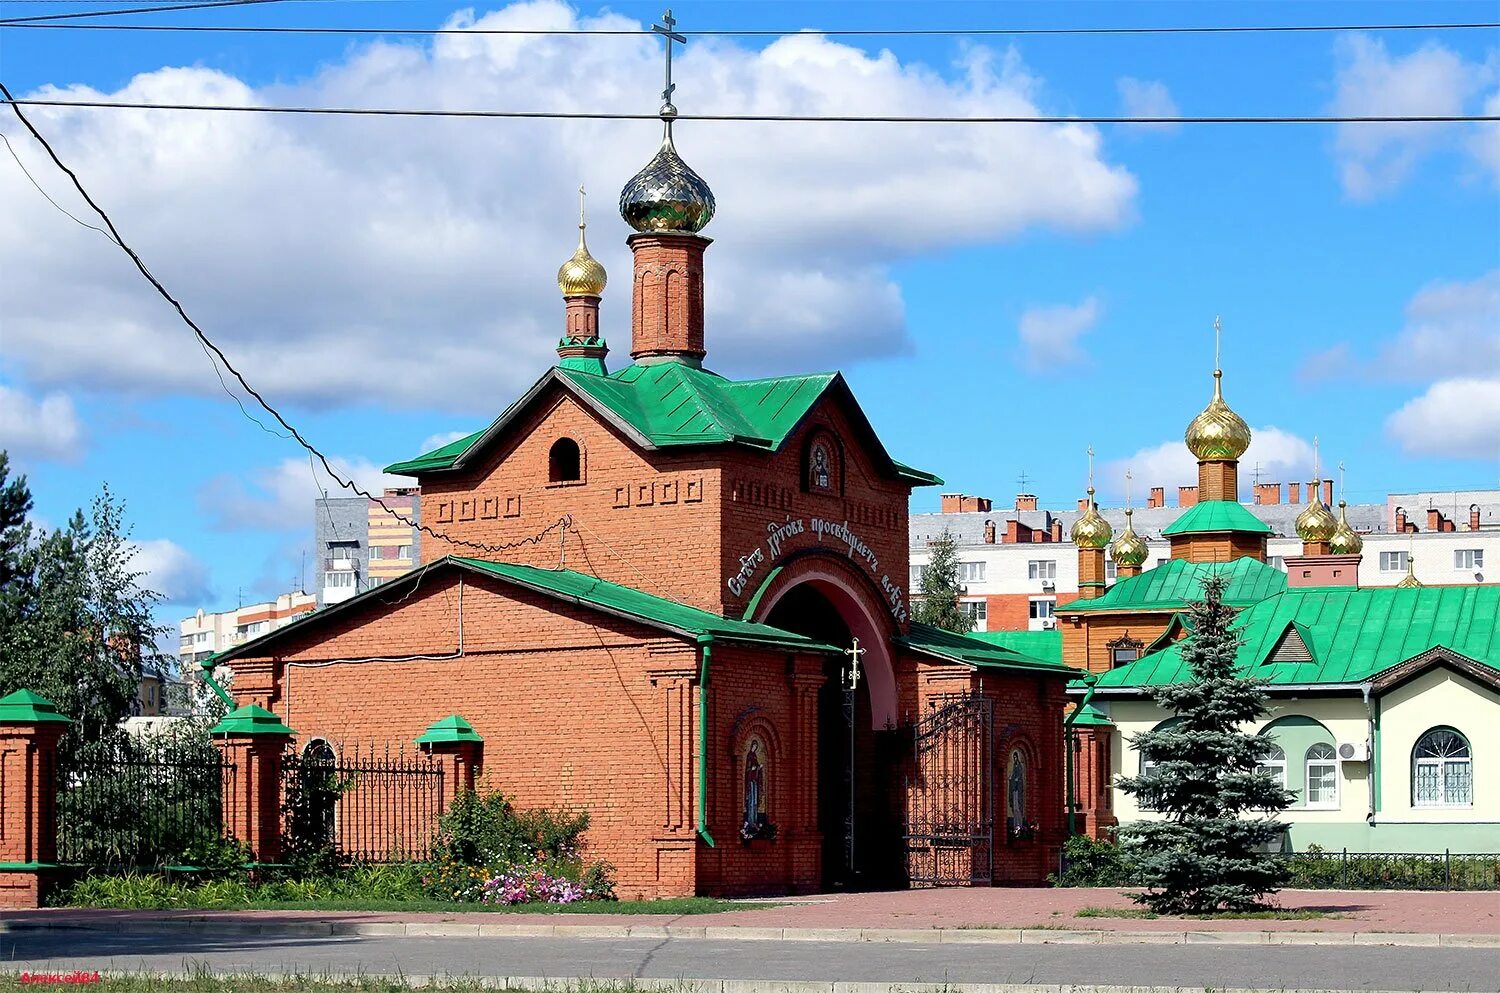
<point x="1424" y="913"/>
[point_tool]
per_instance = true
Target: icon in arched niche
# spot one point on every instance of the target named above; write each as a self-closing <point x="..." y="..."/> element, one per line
<point x="1016" y="799"/>
<point x="756" y="820"/>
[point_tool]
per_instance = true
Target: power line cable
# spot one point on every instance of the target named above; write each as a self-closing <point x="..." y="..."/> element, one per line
<point x="36" y="20"/>
<point x="560" y="115"/>
<point x="208" y="343"/>
<point x="731" y="33"/>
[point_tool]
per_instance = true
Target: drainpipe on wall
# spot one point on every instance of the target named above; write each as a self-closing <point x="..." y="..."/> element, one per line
<point x="1373" y="737"/>
<point x="1089" y="679"/>
<point x="706" y="644"/>
<point x="219" y="691"/>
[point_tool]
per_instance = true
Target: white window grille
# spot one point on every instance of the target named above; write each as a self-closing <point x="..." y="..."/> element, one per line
<point x="1442" y="772"/>
<point x="1322" y="776"/>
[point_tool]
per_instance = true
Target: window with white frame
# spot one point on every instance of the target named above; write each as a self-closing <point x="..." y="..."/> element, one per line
<point x="1109" y="569"/>
<point x="1041" y="569"/>
<point x="917" y="572"/>
<point x="1392" y="561"/>
<point x="1442" y="770"/>
<point x="341" y="551"/>
<point x="1041" y="609"/>
<point x="1468" y="559"/>
<point x="1322" y="782"/>
<point x="971" y="572"/>
<point x="1272" y="762"/>
<point x="376" y="553"/>
<point x="403" y="552"/>
<point x="342" y="579"/>
<point x="976" y="611"/>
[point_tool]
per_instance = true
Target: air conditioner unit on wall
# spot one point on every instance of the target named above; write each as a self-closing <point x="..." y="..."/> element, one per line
<point x="1354" y="751"/>
<point x="1049" y="624"/>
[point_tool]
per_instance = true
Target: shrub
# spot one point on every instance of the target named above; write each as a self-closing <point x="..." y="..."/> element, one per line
<point x="1086" y="862"/>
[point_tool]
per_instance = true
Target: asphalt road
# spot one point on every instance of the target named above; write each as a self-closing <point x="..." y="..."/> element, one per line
<point x="1258" y="966"/>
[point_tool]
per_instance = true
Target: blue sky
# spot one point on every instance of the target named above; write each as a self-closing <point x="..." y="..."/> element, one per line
<point x="999" y="302"/>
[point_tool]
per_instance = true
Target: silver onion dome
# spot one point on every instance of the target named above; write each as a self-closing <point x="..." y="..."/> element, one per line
<point x="667" y="195"/>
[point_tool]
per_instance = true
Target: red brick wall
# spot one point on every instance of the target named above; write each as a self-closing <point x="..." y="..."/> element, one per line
<point x="1012" y="611"/>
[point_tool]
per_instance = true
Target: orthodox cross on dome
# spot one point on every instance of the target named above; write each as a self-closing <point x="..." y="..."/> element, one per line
<point x="668" y="111"/>
<point x="1091" y="470"/>
<point x="1128" y="477"/>
<point x="1341" y="479"/>
<point x="581" y="222"/>
<point x="1317" y="465"/>
<point x="1218" y="335"/>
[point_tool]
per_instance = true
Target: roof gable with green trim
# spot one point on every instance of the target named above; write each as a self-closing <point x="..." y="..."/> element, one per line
<point x="1175" y="583"/>
<point x="1212" y="516"/>
<point x="672" y="404"/>
<point x="1350" y="635"/>
<point x="564" y="584"/>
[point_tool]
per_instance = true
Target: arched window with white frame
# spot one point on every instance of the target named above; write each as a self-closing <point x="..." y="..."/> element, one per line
<point x="1442" y="770"/>
<point x="1272" y="762"/>
<point x="1322" y="776"/>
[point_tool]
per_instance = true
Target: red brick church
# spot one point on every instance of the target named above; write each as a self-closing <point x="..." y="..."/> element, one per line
<point x="680" y="602"/>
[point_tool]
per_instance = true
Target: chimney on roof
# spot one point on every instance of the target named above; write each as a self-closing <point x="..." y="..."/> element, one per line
<point x="1187" y="496"/>
<point x="1267" y="494"/>
<point x="1157" y="497"/>
<point x="1473" y="517"/>
<point x="1294" y="493"/>
<point x="1328" y="492"/>
<point x="989" y="532"/>
<point x="962" y="503"/>
<point x="1056" y="530"/>
<point x="1402" y="525"/>
<point x="1025" y="501"/>
<point x="1437" y="522"/>
<point x="1083" y="504"/>
<point x="949" y="503"/>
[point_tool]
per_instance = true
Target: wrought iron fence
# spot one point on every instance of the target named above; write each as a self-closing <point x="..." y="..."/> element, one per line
<point x="1346" y="870"/>
<point x="362" y="805"/>
<point x="128" y="803"/>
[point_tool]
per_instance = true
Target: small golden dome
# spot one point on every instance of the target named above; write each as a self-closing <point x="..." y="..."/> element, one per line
<point x="1345" y="540"/>
<point x="1091" y="530"/>
<point x="1410" y="581"/>
<point x="1129" y="548"/>
<point x="1218" y="434"/>
<point x="582" y="275"/>
<point x="1316" y="522"/>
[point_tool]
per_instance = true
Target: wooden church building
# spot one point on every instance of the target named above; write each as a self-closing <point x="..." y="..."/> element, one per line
<point x="679" y="602"/>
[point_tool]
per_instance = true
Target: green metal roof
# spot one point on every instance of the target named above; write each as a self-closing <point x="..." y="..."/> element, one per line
<point x="1088" y="716"/>
<point x="1216" y="515"/>
<point x="452" y="728"/>
<point x="1177" y="582"/>
<point x="970" y="650"/>
<point x="251" y="719"/>
<point x="1044" y="645"/>
<point x="671" y="404"/>
<point x="26" y="707"/>
<point x="1351" y="634"/>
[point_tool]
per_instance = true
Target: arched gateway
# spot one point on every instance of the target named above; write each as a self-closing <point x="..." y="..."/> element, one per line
<point x="647" y="591"/>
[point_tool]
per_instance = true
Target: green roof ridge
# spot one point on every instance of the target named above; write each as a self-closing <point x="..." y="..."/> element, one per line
<point x="1209" y="516"/>
<point x="1177" y="582"/>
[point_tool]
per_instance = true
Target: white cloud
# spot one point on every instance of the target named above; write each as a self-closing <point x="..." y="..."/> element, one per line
<point x="1432" y="80"/>
<point x="1452" y="328"/>
<point x="1455" y="417"/>
<point x="281" y="497"/>
<point x="413" y="260"/>
<point x="42" y="427"/>
<point x="172" y="571"/>
<point x="1280" y="456"/>
<point x="1147" y="98"/>
<point x="1049" y="335"/>
<point x="1484" y="141"/>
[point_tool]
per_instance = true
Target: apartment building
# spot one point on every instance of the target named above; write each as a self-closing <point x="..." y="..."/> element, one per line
<point x="1018" y="564"/>
<point x="205" y="634"/>
<point x="362" y="543"/>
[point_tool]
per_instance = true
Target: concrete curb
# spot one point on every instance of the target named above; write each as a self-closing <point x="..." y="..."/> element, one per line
<point x="538" y="984"/>
<point x="927" y="936"/>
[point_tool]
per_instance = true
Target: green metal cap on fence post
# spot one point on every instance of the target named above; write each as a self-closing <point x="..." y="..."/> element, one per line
<point x="26" y="707"/>
<point x="450" y="728"/>
<point x="250" y="720"/>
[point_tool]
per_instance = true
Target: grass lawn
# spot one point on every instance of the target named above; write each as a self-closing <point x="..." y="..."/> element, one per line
<point x="676" y="907"/>
<point x="1140" y="913"/>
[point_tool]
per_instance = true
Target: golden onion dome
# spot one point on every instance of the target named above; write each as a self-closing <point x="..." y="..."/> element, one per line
<point x="1316" y="522"/>
<point x="667" y="195"/>
<point x="1091" y="530"/>
<point x="1128" y="548"/>
<point x="1345" y="540"/>
<point x="582" y="275"/>
<point x="1410" y="580"/>
<point x="1218" y="434"/>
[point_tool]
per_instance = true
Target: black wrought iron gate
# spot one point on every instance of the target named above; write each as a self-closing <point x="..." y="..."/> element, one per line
<point x="950" y="824"/>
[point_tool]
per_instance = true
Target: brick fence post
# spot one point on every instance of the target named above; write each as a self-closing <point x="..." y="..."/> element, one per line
<point x="454" y="743"/>
<point x="30" y="727"/>
<point x="254" y="740"/>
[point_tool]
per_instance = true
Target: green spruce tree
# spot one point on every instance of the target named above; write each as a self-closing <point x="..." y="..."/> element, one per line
<point x="1207" y="854"/>
<point x="940" y="589"/>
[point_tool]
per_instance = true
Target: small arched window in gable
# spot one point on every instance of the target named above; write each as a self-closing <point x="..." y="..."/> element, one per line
<point x="565" y="462"/>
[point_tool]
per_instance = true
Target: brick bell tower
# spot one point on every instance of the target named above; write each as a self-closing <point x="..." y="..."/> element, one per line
<point x="1091" y="533"/>
<point x="582" y="280"/>
<point x="667" y="204"/>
